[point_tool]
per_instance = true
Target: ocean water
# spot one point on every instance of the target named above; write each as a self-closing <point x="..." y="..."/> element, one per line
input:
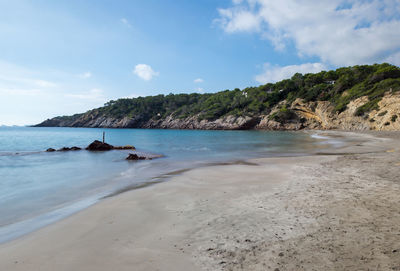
<point x="38" y="188"/>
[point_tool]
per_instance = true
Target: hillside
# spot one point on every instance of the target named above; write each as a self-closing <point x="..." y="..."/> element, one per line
<point x="351" y="98"/>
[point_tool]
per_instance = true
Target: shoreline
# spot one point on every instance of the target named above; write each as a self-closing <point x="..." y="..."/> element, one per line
<point x="184" y="223"/>
<point x="19" y="228"/>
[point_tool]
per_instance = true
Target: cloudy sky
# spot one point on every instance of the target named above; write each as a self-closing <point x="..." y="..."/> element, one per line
<point x="67" y="56"/>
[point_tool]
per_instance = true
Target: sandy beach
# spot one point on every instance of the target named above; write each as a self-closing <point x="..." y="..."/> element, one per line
<point x="338" y="210"/>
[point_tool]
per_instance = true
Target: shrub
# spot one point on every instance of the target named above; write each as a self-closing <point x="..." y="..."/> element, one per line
<point x="283" y="115"/>
<point x="382" y="113"/>
<point x="369" y="106"/>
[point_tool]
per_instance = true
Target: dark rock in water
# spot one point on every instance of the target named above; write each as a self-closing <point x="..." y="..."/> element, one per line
<point x="133" y="156"/>
<point x="74" y="148"/>
<point x="126" y="147"/>
<point x="64" y="149"/>
<point x="99" y="146"/>
<point x="50" y="150"/>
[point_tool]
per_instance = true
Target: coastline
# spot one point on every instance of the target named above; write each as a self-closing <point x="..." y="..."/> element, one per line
<point x="113" y="181"/>
<point x="264" y="214"/>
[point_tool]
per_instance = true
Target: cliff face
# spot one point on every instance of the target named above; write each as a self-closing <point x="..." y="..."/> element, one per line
<point x="99" y="121"/>
<point x="320" y="115"/>
<point x="305" y="115"/>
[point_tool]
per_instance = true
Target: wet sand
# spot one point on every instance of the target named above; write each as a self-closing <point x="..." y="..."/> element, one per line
<point x="334" y="211"/>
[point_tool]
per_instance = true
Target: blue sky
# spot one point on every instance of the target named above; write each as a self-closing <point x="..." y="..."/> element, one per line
<point x="63" y="57"/>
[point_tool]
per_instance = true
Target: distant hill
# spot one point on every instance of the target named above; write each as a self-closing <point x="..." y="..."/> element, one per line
<point x="351" y="98"/>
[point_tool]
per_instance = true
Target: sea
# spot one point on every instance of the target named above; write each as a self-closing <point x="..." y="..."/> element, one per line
<point x="38" y="187"/>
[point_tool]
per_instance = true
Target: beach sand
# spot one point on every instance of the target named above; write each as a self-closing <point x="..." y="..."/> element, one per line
<point x="339" y="210"/>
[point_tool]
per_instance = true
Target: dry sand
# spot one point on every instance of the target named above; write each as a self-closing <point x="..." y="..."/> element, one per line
<point x="325" y="212"/>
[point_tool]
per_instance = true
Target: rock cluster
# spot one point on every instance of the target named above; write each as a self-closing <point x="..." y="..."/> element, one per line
<point x="126" y="147"/>
<point x="134" y="156"/>
<point x="99" y="146"/>
<point x="95" y="146"/>
<point x="70" y="149"/>
<point x="74" y="148"/>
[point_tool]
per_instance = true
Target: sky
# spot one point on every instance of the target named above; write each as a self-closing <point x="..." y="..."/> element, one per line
<point x="68" y="56"/>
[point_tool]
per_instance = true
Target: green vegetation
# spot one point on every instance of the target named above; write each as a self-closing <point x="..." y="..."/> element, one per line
<point x="382" y="113"/>
<point x="337" y="86"/>
<point x="394" y="118"/>
<point x="283" y="115"/>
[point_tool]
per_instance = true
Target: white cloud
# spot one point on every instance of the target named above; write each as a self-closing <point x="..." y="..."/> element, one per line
<point x="276" y="73"/>
<point x="238" y="19"/>
<point x="394" y="59"/>
<point x="94" y="94"/>
<point x="20" y="92"/>
<point x="145" y="71"/>
<point x="19" y="78"/>
<point x="85" y="75"/>
<point x="339" y="33"/>
<point x="200" y="90"/>
<point x="44" y="83"/>
<point x="198" y="80"/>
<point x="125" y="22"/>
<point x="29" y="95"/>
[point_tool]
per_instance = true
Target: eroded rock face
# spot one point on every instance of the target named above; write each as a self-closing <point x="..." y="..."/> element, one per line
<point x="321" y="115"/>
<point x="388" y="117"/>
<point x="99" y="146"/>
<point x="225" y="123"/>
<point x="309" y="115"/>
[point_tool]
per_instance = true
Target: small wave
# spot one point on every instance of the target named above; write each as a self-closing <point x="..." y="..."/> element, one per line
<point x="327" y="140"/>
<point x="318" y="136"/>
<point x="15" y="230"/>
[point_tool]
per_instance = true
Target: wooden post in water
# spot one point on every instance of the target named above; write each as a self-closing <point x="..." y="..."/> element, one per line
<point x="104" y="135"/>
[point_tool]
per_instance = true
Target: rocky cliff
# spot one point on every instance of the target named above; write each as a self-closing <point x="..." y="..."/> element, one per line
<point x="362" y="97"/>
<point x="101" y="121"/>
<point x="284" y="116"/>
<point x="321" y="115"/>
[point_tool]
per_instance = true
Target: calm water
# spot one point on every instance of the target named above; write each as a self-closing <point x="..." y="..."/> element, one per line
<point x="37" y="188"/>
